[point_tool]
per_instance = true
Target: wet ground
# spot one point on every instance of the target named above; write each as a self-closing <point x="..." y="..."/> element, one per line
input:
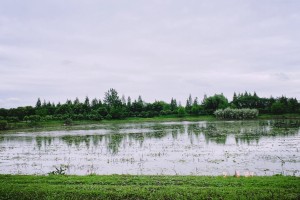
<point x="182" y="148"/>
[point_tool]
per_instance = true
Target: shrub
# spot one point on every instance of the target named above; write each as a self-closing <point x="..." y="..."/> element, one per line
<point x="3" y="124"/>
<point x="230" y="113"/>
<point x="108" y="117"/>
<point x="68" y="121"/>
<point x="181" y="111"/>
<point x="33" y="118"/>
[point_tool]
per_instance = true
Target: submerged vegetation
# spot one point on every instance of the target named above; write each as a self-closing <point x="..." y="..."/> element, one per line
<point x="148" y="187"/>
<point x="114" y="107"/>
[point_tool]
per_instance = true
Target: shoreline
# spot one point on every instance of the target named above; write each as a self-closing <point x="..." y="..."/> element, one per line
<point x="59" y="125"/>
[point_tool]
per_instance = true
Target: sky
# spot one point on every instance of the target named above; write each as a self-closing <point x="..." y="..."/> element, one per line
<point x="58" y="50"/>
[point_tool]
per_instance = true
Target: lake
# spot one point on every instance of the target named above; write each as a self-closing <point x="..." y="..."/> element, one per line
<point x="261" y="147"/>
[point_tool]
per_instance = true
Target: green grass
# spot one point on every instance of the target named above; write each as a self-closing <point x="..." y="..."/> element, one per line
<point x="283" y="116"/>
<point x="59" y="125"/>
<point x="147" y="187"/>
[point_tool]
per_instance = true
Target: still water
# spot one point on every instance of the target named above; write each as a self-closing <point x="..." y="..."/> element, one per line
<point x="169" y="148"/>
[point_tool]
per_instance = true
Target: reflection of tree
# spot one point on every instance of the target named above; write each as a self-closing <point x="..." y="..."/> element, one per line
<point x="194" y="129"/>
<point x="212" y="133"/>
<point x="249" y="131"/>
<point x="176" y="129"/>
<point x="77" y="140"/>
<point x="243" y="132"/>
<point x="138" y="137"/>
<point x="47" y="140"/>
<point x="285" y="123"/>
<point x="246" y="139"/>
<point x="114" y="142"/>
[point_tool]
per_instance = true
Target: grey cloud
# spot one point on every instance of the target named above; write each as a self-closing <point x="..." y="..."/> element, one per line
<point x="159" y="49"/>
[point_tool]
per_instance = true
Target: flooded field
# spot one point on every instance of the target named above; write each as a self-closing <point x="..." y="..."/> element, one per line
<point x="182" y="148"/>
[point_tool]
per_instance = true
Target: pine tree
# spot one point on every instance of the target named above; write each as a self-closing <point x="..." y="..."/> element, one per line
<point x="38" y="103"/>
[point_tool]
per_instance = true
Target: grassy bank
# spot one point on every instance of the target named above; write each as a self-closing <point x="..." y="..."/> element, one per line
<point x="59" y="125"/>
<point x="148" y="187"/>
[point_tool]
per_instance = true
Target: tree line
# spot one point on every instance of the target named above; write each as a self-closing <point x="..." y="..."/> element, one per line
<point x="115" y="107"/>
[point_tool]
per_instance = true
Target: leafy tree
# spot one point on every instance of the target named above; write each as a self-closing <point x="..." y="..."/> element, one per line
<point x="278" y="108"/>
<point x="158" y="106"/>
<point x="195" y="103"/>
<point x="76" y="101"/>
<point x="181" y="111"/>
<point x="189" y="103"/>
<point x="3" y="124"/>
<point x="128" y="103"/>
<point x="173" y="105"/>
<point x="111" y="98"/>
<point x="218" y="101"/>
<point x="95" y="103"/>
<point x="87" y="102"/>
<point x="123" y="100"/>
<point x="196" y="109"/>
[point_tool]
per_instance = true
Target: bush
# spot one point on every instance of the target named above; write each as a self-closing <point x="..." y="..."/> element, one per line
<point x="108" y="117"/>
<point x="13" y="119"/>
<point x="68" y="121"/>
<point x="230" y="113"/>
<point x="3" y="124"/>
<point x="33" y="118"/>
<point x="278" y="108"/>
<point x="181" y="112"/>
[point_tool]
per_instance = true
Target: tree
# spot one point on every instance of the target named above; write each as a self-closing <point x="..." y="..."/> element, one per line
<point x="189" y="103"/>
<point x="111" y="98"/>
<point x="173" y="105"/>
<point x="3" y="124"/>
<point x="38" y="103"/>
<point x="278" y="108"/>
<point x="123" y="100"/>
<point x="76" y="101"/>
<point x="234" y="97"/>
<point x="94" y="103"/>
<point x="218" y="101"/>
<point x="195" y="103"/>
<point x="87" y="102"/>
<point x="128" y="103"/>
<point x="181" y="111"/>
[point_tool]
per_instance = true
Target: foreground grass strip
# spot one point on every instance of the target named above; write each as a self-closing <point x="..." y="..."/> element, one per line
<point x="147" y="187"/>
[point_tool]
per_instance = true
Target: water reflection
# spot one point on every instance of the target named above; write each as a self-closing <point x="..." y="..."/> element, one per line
<point x="243" y="131"/>
<point x="158" y="139"/>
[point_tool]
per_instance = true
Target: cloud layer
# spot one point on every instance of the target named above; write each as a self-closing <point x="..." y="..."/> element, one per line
<point x="160" y="49"/>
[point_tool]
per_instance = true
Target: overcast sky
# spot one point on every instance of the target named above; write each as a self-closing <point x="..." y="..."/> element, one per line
<point x="59" y="50"/>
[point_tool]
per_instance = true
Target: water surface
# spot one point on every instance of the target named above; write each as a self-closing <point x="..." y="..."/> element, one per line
<point x="183" y="148"/>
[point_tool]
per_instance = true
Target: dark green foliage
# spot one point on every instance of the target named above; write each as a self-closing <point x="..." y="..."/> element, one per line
<point x="181" y="111"/>
<point x="115" y="108"/>
<point x="68" y="121"/>
<point x="188" y="106"/>
<point x="58" y="171"/>
<point x="173" y="105"/>
<point x="218" y="101"/>
<point x="38" y="103"/>
<point x="112" y="99"/>
<point x="3" y="124"/>
<point x="278" y="108"/>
